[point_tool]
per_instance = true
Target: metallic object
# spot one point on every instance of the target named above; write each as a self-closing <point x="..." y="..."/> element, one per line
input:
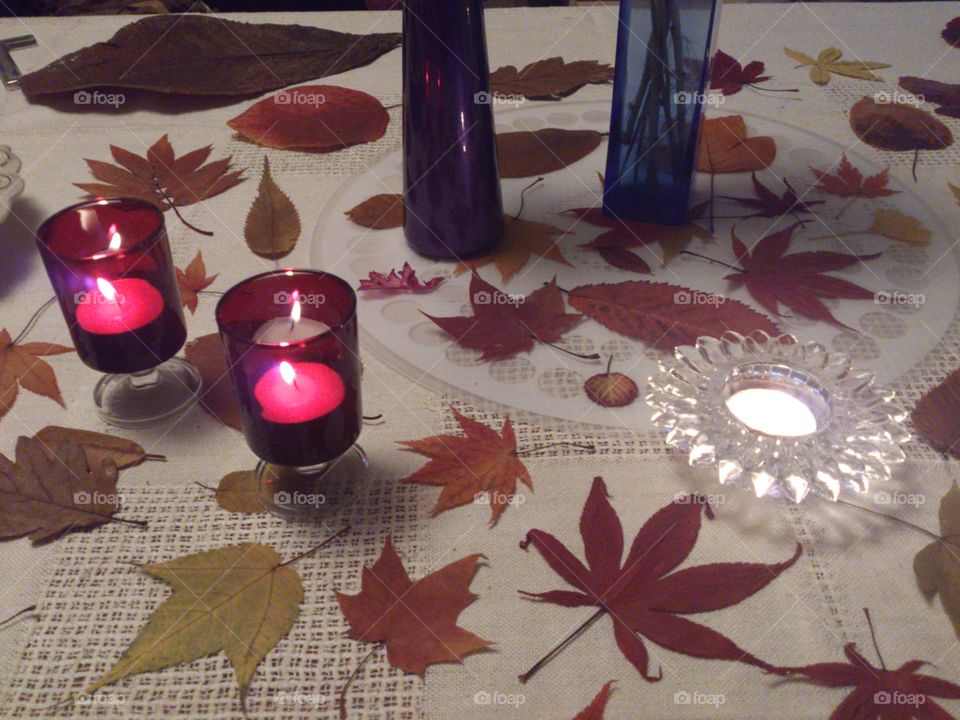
<point x="9" y="71"/>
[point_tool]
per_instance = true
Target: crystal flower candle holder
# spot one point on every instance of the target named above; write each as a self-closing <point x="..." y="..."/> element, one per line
<point x="290" y="338"/>
<point x="110" y="266"/>
<point x="781" y="417"/>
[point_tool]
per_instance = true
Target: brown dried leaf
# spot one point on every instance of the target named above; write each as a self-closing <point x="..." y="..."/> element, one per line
<point x="380" y="212"/>
<point x="206" y="352"/>
<point x="937" y="566"/>
<point x="21" y="366"/>
<point x="50" y="490"/>
<point x="896" y="126"/>
<point x="192" y="280"/>
<point x="200" y="55"/>
<point x="96" y="446"/>
<point x="899" y="226"/>
<point x="611" y="389"/>
<point x="936" y="416"/>
<point x="237" y="493"/>
<point x="549" y="79"/>
<point x="272" y="227"/>
<point x="521" y="239"/>
<point x="537" y="152"/>
<point x="725" y="147"/>
<point x="828" y="61"/>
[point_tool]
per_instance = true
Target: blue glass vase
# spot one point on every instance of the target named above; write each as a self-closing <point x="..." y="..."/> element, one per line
<point x="664" y="51"/>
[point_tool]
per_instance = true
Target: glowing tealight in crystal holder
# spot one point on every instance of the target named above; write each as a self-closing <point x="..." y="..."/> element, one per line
<point x="778" y="416"/>
<point x="110" y="266"/>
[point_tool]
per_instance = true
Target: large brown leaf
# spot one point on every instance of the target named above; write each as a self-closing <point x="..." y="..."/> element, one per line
<point x="272" y="227"/>
<point x="50" y="490"/>
<point x="937" y="566"/>
<point x="199" y="55"/>
<point x="380" y="212"/>
<point x="549" y="79"/>
<point x="161" y="178"/>
<point x="96" y="446"/>
<point x="21" y="367"/>
<point x="537" y="152"/>
<point x="319" y="118"/>
<point x="663" y="315"/>
<point x="206" y="352"/>
<point x="421" y="629"/>
<point x="895" y="126"/>
<point x="726" y="148"/>
<point x="480" y="464"/>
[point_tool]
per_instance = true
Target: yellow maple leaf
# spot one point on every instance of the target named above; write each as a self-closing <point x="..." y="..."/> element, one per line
<point x="521" y="239"/>
<point x="828" y="62"/>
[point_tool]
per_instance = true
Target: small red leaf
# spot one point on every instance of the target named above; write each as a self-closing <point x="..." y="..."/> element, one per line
<point x="404" y="281"/>
<point x="951" y="33"/>
<point x="729" y="76"/>
<point x="317" y="118"/>
<point x="595" y="710"/>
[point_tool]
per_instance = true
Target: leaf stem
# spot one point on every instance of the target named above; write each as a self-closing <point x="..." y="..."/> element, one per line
<point x="18" y="614"/>
<point x="353" y="675"/>
<point x="342" y="531"/>
<point x="523" y="196"/>
<point x="205" y="487"/>
<point x="581" y="446"/>
<point x="591" y="356"/>
<point x="873" y="636"/>
<point x="558" y="648"/>
<point x="33" y="320"/>
<point x="844" y="208"/>
<point x="710" y="259"/>
<point x="923" y="530"/>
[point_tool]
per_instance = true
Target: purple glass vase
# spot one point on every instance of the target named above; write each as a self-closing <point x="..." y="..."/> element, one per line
<point x="451" y="186"/>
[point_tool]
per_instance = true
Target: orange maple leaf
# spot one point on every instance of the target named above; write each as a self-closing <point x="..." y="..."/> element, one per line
<point x="417" y="621"/>
<point x="725" y="147"/>
<point x="192" y="280"/>
<point x="21" y="366"/>
<point x="480" y="463"/>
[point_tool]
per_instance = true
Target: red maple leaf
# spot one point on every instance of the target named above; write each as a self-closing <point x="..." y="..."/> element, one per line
<point x="643" y="596"/>
<point x="768" y="204"/>
<point x="405" y="280"/>
<point x="192" y="281"/>
<point x="503" y="324"/>
<point x="796" y="280"/>
<point x="729" y="76"/>
<point x="848" y="182"/>
<point x="881" y="694"/>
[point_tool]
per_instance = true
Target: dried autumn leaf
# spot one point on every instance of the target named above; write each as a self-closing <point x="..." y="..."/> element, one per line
<point x="538" y="152"/>
<point x="725" y="147"/>
<point x="21" y="366"/>
<point x="97" y="447"/>
<point x="937" y="566"/>
<point x="899" y="226"/>
<point x="50" y="490"/>
<point x="503" y="325"/>
<point x="796" y="280"/>
<point x="956" y="191"/>
<point x="272" y="227"/>
<point x="203" y="55"/>
<point x="380" y="212"/>
<point x="596" y="708"/>
<point x="192" y="280"/>
<point x="479" y="463"/>
<point x="895" y="126"/>
<point x="250" y="601"/>
<point x="936" y="416"/>
<point x="770" y="205"/>
<point x="521" y="239"/>
<point x="206" y="353"/>
<point x="951" y="33"/>
<point x="316" y="118"/>
<point x="623" y="234"/>
<point x="611" y="389"/>
<point x="848" y="182"/>
<point x="422" y="630"/>
<point x="879" y="693"/>
<point x="946" y="95"/>
<point x="828" y="62"/>
<point x="662" y="315"/>
<point x="730" y="77"/>
<point x="549" y="79"/>
<point x="641" y="594"/>
<point x="404" y="281"/>
<point x="162" y="178"/>
<point x="237" y="493"/>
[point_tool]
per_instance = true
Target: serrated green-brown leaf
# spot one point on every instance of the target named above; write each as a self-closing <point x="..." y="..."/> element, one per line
<point x="50" y="490"/>
<point x="237" y="492"/>
<point x="937" y="566"/>
<point x="273" y="223"/>
<point x="238" y="600"/>
<point x="96" y="446"/>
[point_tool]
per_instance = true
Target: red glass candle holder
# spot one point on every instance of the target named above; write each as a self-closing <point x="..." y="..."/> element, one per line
<point x="110" y="266"/>
<point x="290" y="338"/>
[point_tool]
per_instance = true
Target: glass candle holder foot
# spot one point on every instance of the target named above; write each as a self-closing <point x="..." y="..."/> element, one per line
<point x="147" y="397"/>
<point x="309" y="493"/>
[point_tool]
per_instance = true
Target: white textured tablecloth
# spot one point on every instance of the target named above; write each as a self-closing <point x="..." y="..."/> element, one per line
<point x="92" y="602"/>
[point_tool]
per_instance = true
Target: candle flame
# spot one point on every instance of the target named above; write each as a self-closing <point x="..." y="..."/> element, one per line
<point x="295" y="308"/>
<point x="107" y="290"/>
<point x="287" y="372"/>
<point x="116" y="239"/>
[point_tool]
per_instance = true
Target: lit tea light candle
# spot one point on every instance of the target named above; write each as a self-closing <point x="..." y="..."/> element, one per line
<point x="286" y="330"/>
<point x="772" y="411"/>
<point x="298" y="392"/>
<point x="120" y="306"/>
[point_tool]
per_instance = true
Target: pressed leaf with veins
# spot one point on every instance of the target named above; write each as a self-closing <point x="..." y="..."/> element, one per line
<point x="828" y="62"/>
